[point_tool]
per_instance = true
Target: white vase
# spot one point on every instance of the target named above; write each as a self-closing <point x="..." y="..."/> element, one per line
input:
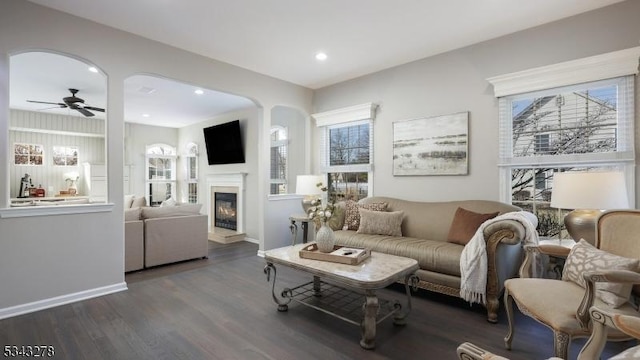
<point x="325" y="239"/>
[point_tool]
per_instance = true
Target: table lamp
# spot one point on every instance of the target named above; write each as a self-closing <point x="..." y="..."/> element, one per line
<point x="587" y="194"/>
<point x="307" y="185"/>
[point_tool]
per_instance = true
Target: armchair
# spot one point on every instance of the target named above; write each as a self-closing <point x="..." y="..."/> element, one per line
<point x="563" y="305"/>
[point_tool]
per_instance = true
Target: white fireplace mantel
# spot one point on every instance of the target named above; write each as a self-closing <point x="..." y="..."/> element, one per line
<point x="227" y="180"/>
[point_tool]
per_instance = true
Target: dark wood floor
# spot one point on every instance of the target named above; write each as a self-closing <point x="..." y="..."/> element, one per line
<point x="221" y="308"/>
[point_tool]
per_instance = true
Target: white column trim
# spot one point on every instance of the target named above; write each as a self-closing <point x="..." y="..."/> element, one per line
<point x="593" y="68"/>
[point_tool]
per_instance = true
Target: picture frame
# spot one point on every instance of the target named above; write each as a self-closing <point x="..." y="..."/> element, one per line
<point x="437" y="145"/>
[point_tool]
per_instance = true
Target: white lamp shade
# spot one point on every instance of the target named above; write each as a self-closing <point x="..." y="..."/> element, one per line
<point x="308" y="184"/>
<point x="589" y="190"/>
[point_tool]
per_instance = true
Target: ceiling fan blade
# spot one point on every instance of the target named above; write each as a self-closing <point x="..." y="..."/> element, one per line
<point x="62" y="105"/>
<point x="94" y="108"/>
<point x="83" y="111"/>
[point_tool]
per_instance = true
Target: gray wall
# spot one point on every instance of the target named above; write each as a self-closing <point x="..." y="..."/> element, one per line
<point x="456" y="81"/>
<point x="48" y="260"/>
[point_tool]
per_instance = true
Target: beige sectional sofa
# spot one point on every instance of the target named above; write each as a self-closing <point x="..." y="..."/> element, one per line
<point x="425" y="231"/>
<point x="162" y="235"/>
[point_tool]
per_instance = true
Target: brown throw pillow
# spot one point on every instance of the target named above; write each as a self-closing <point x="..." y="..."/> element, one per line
<point x="352" y="213"/>
<point x="464" y="225"/>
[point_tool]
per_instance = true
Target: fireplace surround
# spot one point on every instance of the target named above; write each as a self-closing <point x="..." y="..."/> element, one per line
<point x="226" y="199"/>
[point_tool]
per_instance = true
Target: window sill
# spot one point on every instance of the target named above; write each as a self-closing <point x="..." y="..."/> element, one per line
<point x="27" y="211"/>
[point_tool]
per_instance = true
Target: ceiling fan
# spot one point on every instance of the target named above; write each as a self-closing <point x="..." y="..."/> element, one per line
<point x="74" y="103"/>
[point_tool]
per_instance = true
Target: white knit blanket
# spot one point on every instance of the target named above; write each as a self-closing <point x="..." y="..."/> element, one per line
<point x="473" y="260"/>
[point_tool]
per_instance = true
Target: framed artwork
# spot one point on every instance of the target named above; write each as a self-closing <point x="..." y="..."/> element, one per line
<point x="431" y="146"/>
<point x="28" y="154"/>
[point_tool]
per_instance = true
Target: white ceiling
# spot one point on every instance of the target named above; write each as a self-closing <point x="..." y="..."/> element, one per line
<point x="280" y="38"/>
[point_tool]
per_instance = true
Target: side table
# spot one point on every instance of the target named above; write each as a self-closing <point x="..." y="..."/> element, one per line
<point x="304" y="220"/>
<point x="556" y="263"/>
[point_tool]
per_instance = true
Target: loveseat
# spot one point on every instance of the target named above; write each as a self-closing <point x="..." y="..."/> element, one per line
<point x="162" y="235"/>
<point x="425" y="231"/>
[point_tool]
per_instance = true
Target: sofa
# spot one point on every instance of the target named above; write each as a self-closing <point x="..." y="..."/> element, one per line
<point x="427" y="232"/>
<point x="163" y="235"/>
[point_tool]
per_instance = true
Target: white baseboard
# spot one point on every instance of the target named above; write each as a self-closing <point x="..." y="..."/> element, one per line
<point x="251" y="240"/>
<point x="60" y="300"/>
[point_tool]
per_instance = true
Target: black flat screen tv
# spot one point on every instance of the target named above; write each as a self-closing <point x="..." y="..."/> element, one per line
<point x="224" y="143"/>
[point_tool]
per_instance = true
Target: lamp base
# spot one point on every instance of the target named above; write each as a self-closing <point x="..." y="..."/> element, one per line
<point x="581" y="224"/>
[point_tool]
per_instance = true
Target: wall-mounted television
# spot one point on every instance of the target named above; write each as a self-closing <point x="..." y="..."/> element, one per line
<point x="224" y="143"/>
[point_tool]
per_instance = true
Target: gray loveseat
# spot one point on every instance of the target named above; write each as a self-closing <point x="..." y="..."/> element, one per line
<point x="425" y="229"/>
<point x="162" y="235"/>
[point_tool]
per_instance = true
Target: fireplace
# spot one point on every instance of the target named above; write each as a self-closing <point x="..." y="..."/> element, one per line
<point x="225" y="204"/>
<point x="226" y="208"/>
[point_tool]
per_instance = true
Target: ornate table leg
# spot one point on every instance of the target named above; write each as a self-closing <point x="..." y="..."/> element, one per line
<point x="368" y="326"/>
<point x="400" y="318"/>
<point x="282" y="305"/>
<point x="294" y="231"/>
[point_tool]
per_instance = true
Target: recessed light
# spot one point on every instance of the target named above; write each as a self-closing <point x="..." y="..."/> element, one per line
<point x="145" y="115"/>
<point x="321" y="56"/>
<point x="93" y="69"/>
<point x="146" y="90"/>
<point x="199" y="92"/>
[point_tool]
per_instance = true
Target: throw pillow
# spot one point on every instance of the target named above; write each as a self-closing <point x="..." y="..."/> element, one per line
<point x="337" y="219"/>
<point x="352" y="213"/>
<point x="584" y="257"/>
<point x="464" y="225"/>
<point x="381" y="223"/>
<point x="139" y="202"/>
<point x="168" y="202"/>
<point x="128" y="200"/>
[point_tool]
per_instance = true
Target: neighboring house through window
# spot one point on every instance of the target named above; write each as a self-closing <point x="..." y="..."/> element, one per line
<point x="279" y="160"/>
<point x="579" y="125"/>
<point x="161" y="173"/>
<point x="347" y="151"/>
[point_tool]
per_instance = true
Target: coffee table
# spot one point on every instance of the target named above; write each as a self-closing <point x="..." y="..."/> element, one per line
<point x="347" y="292"/>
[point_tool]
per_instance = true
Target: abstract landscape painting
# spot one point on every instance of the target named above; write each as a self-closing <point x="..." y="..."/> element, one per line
<point x="431" y="146"/>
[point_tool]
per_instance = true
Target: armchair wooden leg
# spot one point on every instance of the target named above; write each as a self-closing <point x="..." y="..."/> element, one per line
<point x="561" y="344"/>
<point x="508" y="306"/>
<point x="592" y="349"/>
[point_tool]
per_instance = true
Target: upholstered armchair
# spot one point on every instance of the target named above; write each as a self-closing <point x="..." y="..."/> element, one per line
<point x="603" y="320"/>
<point x="563" y="305"/>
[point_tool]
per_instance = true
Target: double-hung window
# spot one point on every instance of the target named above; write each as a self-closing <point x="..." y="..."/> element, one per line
<point x="192" y="173"/>
<point x="347" y="151"/>
<point x="585" y="124"/>
<point x="161" y="173"/>
<point x="279" y="157"/>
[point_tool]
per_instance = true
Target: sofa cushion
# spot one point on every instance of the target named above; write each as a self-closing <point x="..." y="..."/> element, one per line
<point x="464" y="225"/>
<point x="380" y="222"/>
<point x="132" y="214"/>
<point x="437" y="256"/>
<point x="352" y="213"/>
<point x="585" y="257"/>
<point x="170" y="211"/>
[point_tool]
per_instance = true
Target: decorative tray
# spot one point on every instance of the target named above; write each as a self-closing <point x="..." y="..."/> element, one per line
<point x="340" y="254"/>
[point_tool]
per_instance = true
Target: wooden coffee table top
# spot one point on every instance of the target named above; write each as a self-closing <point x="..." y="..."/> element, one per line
<point x="378" y="271"/>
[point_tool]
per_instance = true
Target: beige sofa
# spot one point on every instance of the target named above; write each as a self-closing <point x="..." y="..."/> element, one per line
<point x="162" y="235"/>
<point x="425" y="230"/>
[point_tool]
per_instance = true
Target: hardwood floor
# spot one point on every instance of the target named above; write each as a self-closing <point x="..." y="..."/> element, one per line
<point x="221" y="308"/>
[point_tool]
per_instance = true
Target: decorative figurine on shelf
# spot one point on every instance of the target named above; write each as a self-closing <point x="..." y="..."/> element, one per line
<point x="24" y="186"/>
<point x="72" y="181"/>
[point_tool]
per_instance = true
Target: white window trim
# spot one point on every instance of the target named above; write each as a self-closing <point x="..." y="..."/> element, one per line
<point x="590" y="69"/>
<point x="599" y="67"/>
<point x="348" y="116"/>
<point x="174" y="177"/>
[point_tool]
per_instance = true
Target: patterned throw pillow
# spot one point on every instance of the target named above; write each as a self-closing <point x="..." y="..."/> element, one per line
<point x="352" y="213"/>
<point x="585" y="257"/>
<point x="381" y="222"/>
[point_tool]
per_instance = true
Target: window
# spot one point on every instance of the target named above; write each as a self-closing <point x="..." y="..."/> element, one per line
<point x="192" y="173"/>
<point x="572" y="128"/>
<point x="347" y="151"/>
<point x="279" y="156"/>
<point x="28" y="154"/>
<point x="161" y="173"/>
<point x="65" y="155"/>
